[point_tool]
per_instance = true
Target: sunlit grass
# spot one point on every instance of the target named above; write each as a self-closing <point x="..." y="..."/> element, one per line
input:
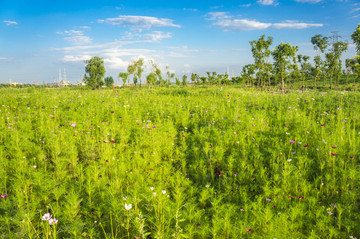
<point x="192" y="162"/>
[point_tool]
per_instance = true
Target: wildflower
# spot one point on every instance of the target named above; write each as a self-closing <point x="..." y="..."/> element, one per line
<point x="3" y="195"/>
<point x="292" y="141"/>
<point x="154" y="193"/>
<point x="322" y="124"/>
<point x="352" y="157"/>
<point x="331" y="213"/>
<point x="235" y="174"/>
<point x="268" y="199"/>
<point x="290" y="197"/>
<point x="128" y="206"/>
<point x="300" y="197"/>
<point x="305" y="146"/>
<point x="207" y="186"/>
<point x="53" y="221"/>
<point x="289" y="160"/>
<point x="112" y="112"/>
<point x="219" y="174"/>
<point x="151" y="188"/>
<point x="333" y="205"/>
<point x="333" y="154"/>
<point x="46" y="217"/>
<point x="73" y="125"/>
<point x="163" y="191"/>
<point x="241" y="210"/>
<point x="293" y="152"/>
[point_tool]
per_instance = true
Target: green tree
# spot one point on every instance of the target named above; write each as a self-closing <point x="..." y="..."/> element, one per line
<point x="124" y="76"/>
<point x="333" y="59"/>
<point x="282" y="55"/>
<point x="178" y="83"/>
<point x="96" y="71"/>
<point x="109" y="81"/>
<point x="151" y="79"/>
<point x="169" y="76"/>
<point x="356" y="38"/>
<point x="320" y="44"/>
<point x="261" y="54"/>
<point x="184" y="80"/>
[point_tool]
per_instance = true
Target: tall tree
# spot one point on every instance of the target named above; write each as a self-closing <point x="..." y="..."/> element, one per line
<point x="320" y="44"/>
<point x="96" y="71"/>
<point x="261" y="54"/>
<point x="282" y="55"/>
<point x="356" y="38"/>
<point x="184" y="80"/>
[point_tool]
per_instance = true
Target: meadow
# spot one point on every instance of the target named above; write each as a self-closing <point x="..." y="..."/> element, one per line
<point x="191" y="162"/>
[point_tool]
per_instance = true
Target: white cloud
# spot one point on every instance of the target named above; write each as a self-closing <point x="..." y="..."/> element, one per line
<point x="190" y="9"/>
<point x="246" y="5"/>
<point x="267" y="2"/>
<point x="76" y="37"/>
<point x="140" y="22"/>
<point x="3" y="58"/>
<point x="10" y="23"/>
<point x="227" y="23"/>
<point x="156" y="36"/>
<point x="355" y="10"/>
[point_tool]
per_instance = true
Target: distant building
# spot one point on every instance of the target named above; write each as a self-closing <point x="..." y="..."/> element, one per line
<point x="81" y="83"/>
<point x="65" y="83"/>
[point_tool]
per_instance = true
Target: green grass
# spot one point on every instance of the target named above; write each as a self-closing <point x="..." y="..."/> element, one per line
<point x="193" y="162"/>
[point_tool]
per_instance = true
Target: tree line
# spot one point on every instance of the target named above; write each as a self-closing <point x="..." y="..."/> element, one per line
<point x="281" y="67"/>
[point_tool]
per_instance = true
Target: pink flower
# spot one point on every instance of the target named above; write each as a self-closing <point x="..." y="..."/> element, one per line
<point x="3" y="196"/>
<point x="305" y="146"/>
<point x="112" y="112"/>
<point x="333" y="154"/>
<point x="73" y="125"/>
<point x="292" y="141"/>
<point x="352" y="157"/>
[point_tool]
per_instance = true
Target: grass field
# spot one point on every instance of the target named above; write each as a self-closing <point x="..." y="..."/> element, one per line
<point x="179" y="163"/>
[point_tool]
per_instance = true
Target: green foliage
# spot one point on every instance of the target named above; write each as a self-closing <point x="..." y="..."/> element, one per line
<point x="96" y="72"/>
<point x="109" y="81"/>
<point x="355" y="36"/>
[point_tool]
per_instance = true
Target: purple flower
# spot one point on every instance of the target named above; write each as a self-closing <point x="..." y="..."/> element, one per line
<point x="352" y="157"/>
<point x="305" y="146"/>
<point x="333" y="154"/>
<point x="331" y="213"/>
<point x="268" y="199"/>
<point x="73" y="125"/>
<point x="3" y="195"/>
<point x="292" y="141"/>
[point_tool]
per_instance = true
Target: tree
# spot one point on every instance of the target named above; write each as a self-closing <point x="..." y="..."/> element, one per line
<point x="320" y="44"/>
<point x="184" y="80"/>
<point x="261" y="54"/>
<point x="109" y="81"/>
<point x="333" y="58"/>
<point x="96" y="72"/>
<point x="356" y="38"/>
<point x="151" y="79"/>
<point x="178" y="83"/>
<point x="124" y="76"/>
<point x="282" y="55"/>
<point x="170" y="75"/>
<point x="194" y="78"/>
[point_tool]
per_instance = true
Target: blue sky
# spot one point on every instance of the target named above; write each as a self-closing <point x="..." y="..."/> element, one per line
<point x="39" y="37"/>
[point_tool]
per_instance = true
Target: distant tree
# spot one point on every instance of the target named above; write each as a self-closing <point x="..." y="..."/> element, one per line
<point x="261" y="54"/>
<point x="203" y="79"/>
<point x="333" y="58"/>
<point x="135" y="69"/>
<point x="169" y="76"/>
<point x="124" y="76"/>
<point x="320" y="44"/>
<point x="184" y="80"/>
<point x="109" y="81"/>
<point x="282" y="55"/>
<point x="96" y="72"/>
<point x="356" y="39"/>
<point x="151" y="79"/>
<point x="194" y="78"/>
<point x="178" y="83"/>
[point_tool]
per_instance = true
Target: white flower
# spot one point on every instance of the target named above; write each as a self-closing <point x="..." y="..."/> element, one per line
<point x="124" y="198"/>
<point x="154" y="193"/>
<point x="46" y="217"/>
<point x="289" y="160"/>
<point x="151" y="188"/>
<point x="53" y="221"/>
<point x="128" y="206"/>
<point x="207" y="185"/>
<point x="163" y="191"/>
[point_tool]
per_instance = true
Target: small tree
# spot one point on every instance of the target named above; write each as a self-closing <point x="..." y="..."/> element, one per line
<point x="178" y="83"/>
<point x="151" y="79"/>
<point x="109" y="81"/>
<point x="356" y="38"/>
<point x="124" y="76"/>
<point x="184" y="80"/>
<point x="96" y="72"/>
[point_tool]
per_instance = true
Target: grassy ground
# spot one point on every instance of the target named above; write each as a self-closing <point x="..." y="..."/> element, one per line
<point x="193" y="162"/>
